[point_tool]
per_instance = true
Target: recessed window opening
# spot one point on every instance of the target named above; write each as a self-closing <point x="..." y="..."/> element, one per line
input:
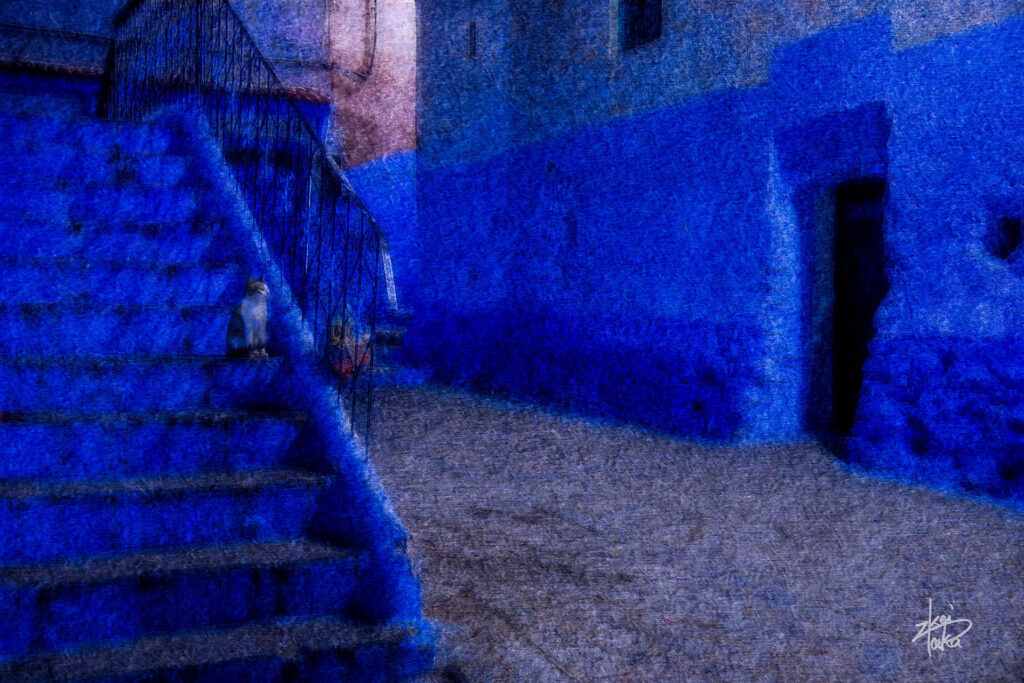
<point x="1003" y="240"/>
<point x="471" y="48"/>
<point x="639" y="23"/>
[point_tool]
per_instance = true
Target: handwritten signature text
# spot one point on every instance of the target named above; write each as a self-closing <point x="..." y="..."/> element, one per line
<point x="938" y="626"/>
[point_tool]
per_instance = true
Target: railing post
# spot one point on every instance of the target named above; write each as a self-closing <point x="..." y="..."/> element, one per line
<point x="296" y="198"/>
<point x="199" y="43"/>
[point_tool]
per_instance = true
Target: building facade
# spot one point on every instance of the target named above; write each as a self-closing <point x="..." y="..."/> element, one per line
<point x="766" y="222"/>
<point x="746" y="222"/>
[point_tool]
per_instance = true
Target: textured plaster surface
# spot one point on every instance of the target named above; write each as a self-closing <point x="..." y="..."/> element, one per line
<point x="674" y="267"/>
<point x="555" y="66"/>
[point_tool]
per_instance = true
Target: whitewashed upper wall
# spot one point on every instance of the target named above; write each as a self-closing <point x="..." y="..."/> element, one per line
<point x="558" y="66"/>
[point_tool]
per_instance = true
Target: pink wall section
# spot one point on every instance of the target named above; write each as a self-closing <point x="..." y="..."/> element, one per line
<point x="373" y="79"/>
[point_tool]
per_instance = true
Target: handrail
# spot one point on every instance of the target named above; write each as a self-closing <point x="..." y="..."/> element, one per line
<point x="129" y="9"/>
<point x="328" y="245"/>
<point x="57" y="31"/>
<point x="126" y="12"/>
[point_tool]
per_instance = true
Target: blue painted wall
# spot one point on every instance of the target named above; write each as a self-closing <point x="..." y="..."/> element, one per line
<point x="943" y="393"/>
<point x="584" y="272"/>
<point x="388" y="187"/>
<point x="673" y="267"/>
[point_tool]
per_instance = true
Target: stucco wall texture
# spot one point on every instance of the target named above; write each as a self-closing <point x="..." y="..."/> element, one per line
<point x="557" y="64"/>
<point x="646" y="235"/>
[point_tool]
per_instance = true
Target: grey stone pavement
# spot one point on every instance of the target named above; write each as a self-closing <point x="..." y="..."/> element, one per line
<point x="555" y="548"/>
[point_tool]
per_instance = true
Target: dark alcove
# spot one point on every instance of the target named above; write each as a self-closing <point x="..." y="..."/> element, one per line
<point x="860" y="285"/>
<point x="1004" y="239"/>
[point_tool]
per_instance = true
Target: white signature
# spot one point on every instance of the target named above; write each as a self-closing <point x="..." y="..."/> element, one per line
<point x="940" y="623"/>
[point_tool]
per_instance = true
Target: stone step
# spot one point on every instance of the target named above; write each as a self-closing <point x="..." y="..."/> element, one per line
<point x="90" y="329"/>
<point x="132" y="383"/>
<point x="119" y="281"/>
<point x="57" y="236"/>
<point x="118" y="597"/>
<point x="24" y="168"/>
<point x="288" y="649"/>
<point x="133" y="204"/>
<point x="104" y="204"/>
<point x="27" y="105"/>
<point x="47" y="167"/>
<point x="69" y="279"/>
<point x="47" y="520"/>
<point x="37" y="200"/>
<point x="154" y="170"/>
<point x="72" y="445"/>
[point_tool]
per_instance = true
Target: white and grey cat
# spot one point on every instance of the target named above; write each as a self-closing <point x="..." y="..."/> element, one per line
<point x="247" y="330"/>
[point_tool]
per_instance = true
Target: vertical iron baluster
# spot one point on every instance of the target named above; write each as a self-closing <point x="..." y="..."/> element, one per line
<point x="198" y="51"/>
<point x="374" y="282"/>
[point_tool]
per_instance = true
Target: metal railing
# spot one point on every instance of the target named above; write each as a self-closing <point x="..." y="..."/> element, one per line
<point x="328" y="246"/>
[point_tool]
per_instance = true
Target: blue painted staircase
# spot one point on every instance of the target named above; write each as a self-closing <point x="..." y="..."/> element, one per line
<point x="166" y="513"/>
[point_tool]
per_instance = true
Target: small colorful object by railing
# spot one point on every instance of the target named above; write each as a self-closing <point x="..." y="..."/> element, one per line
<point x="333" y="254"/>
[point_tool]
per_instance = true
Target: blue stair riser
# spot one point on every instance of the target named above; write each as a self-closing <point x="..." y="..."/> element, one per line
<point x="55" y="238"/>
<point x="38" y="201"/>
<point x="158" y="171"/>
<point x="78" y="134"/>
<point x="91" y="191"/>
<point x="53" y="158"/>
<point x="62" y="225"/>
<point x="130" y="138"/>
<point x="91" y="449"/>
<point x="397" y="661"/>
<point x="112" y="386"/>
<point x="38" y="175"/>
<point x="39" y="167"/>
<point x="28" y="104"/>
<point x="43" y="530"/>
<point x="37" y="170"/>
<point x="369" y="662"/>
<point x="172" y="205"/>
<point x="21" y="129"/>
<point x="79" y="331"/>
<point x="119" y="283"/>
<point x="56" y="617"/>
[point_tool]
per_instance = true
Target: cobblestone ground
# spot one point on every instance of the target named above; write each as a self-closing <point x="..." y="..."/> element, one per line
<point x="553" y="548"/>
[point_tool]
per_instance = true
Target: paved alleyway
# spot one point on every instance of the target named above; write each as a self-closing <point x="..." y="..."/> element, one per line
<point x="555" y="549"/>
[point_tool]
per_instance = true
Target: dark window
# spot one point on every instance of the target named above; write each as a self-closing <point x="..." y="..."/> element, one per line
<point x="1005" y="238"/>
<point x="471" y="40"/>
<point x="640" y="22"/>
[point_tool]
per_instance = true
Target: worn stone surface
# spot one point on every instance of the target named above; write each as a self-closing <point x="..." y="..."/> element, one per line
<point x="553" y="548"/>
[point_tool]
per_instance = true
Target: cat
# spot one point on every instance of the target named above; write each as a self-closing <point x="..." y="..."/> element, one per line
<point x="247" y="330"/>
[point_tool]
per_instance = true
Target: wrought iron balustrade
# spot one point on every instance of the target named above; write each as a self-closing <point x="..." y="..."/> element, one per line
<point x="331" y="251"/>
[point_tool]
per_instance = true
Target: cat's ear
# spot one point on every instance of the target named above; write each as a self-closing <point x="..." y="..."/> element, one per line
<point x="250" y="280"/>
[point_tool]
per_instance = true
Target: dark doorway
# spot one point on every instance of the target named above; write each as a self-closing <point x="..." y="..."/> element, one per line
<point x="640" y="23"/>
<point x="860" y="285"/>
